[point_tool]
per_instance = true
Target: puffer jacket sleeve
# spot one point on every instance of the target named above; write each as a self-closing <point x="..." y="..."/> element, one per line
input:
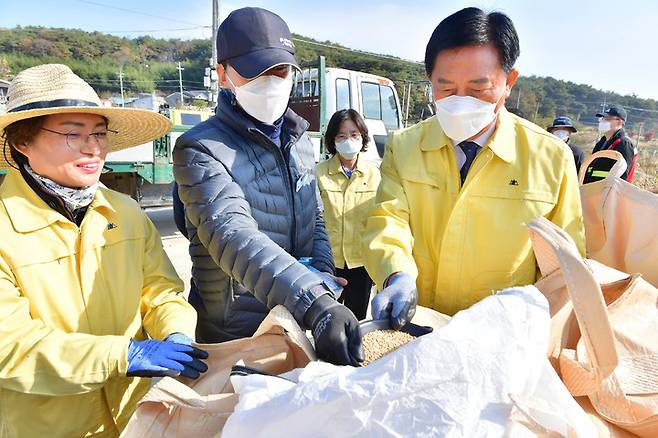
<point x="37" y="359"/>
<point x="216" y="206"/>
<point x="322" y="257"/>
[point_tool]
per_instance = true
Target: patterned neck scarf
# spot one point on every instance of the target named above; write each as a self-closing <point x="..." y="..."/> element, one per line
<point x="74" y="199"/>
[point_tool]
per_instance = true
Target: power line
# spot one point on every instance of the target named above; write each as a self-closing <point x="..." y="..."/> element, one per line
<point x="641" y="109"/>
<point x="135" y="12"/>
<point x="159" y="84"/>
<point x="156" y="30"/>
<point x="330" y="46"/>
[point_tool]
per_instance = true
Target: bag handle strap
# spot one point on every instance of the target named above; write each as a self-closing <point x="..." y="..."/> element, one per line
<point x="551" y="242"/>
<point x="637" y="375"/>
<point x="616" y="171"/>
<point x="172" y="392"/>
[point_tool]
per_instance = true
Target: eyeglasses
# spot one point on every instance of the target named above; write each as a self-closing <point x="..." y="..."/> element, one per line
<point x="77" y="141"/>
<point x="343" y="137"/>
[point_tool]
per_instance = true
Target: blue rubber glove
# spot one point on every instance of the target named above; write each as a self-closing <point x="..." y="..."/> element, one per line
<point x="179" y="338"/>
<point x="153" y="358"/>
<point x="397" y="301"/>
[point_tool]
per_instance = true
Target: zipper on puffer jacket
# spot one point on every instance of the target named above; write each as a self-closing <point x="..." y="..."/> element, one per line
<point x="287" y="180"/>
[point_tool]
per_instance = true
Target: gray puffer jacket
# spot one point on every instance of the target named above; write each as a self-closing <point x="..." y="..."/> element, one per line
<point x="252" y="209"/>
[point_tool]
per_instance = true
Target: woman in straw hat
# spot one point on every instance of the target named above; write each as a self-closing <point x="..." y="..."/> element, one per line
<point x="89" y="301"/>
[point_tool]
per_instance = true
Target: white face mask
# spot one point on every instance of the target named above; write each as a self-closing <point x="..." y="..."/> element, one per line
<point x="265" y="98"/>
<point x="604" y="125"/>
<point x="461" y="117"/>
<point x="349" y="148"/>
<point x="562" y="134"/>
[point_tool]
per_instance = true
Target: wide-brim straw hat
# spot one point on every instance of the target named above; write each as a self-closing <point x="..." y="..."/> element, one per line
<point x="54" y="89"/>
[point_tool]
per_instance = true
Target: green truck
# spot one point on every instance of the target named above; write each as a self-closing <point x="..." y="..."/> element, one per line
<point x="145" y="172"/>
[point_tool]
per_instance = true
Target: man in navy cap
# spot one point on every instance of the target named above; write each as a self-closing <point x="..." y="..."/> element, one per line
<point x="562" y="128"/>
<point x="611" y="124"/>
<point x="246" y="178"/>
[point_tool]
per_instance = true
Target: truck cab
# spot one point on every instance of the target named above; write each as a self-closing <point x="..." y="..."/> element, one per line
<point x="145" y="172"/>
<point x="319" y="91"/>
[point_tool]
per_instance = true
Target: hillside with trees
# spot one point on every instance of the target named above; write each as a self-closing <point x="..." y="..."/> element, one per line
<point x="149" y="64"/>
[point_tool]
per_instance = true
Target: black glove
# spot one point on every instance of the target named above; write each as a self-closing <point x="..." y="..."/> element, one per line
<point x="336" y="332"/>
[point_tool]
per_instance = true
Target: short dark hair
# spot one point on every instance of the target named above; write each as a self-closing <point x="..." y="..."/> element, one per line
<point x="473" y="27"/>
<point x="334" y="126"/>
<point x="19" y="134"/>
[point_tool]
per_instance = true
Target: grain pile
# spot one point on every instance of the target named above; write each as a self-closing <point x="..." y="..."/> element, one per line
<point x="379" y="343"/>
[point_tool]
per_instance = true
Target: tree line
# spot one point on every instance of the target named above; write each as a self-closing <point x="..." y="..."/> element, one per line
<point x="149" y="64"/>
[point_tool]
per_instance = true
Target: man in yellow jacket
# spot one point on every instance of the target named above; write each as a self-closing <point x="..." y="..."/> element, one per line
<point x="84" y="280"/>
<point x="448" y="228"/>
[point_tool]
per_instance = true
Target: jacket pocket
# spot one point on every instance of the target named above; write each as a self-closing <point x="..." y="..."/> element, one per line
<point x="422" y="179"/>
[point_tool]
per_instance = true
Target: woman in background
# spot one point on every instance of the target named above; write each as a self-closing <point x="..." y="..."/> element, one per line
<point x="348" y="184"/>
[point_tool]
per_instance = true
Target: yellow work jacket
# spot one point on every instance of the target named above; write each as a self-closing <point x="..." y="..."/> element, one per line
<point x="465" y="243"/>
<point x="347" y="203"/>
<point x="70" y="300"/>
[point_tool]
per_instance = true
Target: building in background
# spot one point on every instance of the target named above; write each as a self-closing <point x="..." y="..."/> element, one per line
<point x="4" y="85"/>
<point x="189" y="96"/>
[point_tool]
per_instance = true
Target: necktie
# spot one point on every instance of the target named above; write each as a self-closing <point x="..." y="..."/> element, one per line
<point x="470" y="149"/>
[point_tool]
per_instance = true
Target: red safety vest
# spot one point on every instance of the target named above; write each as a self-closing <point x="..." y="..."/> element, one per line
<point x="631" y="171"/>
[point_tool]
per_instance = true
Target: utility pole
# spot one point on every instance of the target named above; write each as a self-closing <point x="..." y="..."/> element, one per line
<point x="603" y="104"/>
<point x="180" y="82"/>
<point x="407" y="101"/>
<point x="214" y="86"/>
<point x="536" y="111"/>
<point x="518" y="99"/>
<point x="123" y="102"/>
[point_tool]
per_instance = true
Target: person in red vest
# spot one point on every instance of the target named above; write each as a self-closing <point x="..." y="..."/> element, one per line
<point x="611" y="124"/>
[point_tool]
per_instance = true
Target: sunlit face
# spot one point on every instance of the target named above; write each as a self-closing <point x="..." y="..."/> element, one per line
<point x="51" y="155"/>
<point x="348" y="129"/>
<point x="472" y="71"/>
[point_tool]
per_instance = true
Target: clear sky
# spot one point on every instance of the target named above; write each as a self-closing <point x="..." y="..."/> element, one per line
<point x="606" y="43"/>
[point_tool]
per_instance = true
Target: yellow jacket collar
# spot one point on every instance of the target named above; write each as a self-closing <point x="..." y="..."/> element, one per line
<point x="432" y="137"/>
<point x="335" y="167"/>
<point x="28" y="212"/>
<point x="502" y="141"/>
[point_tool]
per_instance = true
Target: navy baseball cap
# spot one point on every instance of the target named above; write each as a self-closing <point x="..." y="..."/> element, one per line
<point x="253" y="40"/>
<point x="563" y="122"/>
<point x="614" y="111"/>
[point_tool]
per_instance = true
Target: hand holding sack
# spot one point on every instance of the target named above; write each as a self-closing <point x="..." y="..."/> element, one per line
<point x="179" y="338"/>
<point x="152" y="358"/>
